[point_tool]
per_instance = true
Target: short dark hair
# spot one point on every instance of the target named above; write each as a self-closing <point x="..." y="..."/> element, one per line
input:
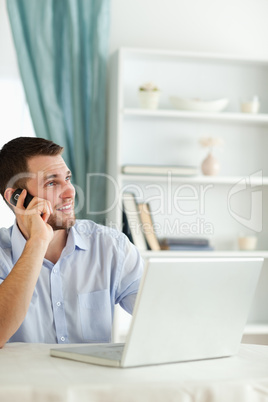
<point x="14" y="157"/>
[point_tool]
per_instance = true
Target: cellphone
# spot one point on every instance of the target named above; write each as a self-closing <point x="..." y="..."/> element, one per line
<point x="15" y="196"/>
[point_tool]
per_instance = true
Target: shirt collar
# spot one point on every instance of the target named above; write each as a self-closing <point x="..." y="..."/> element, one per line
<point x="75" y="240"/>
<point x="18" y="242"/>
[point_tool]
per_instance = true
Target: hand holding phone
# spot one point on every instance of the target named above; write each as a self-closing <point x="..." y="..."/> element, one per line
<point x="25" y="228"/>
<point x="15" y="196"/>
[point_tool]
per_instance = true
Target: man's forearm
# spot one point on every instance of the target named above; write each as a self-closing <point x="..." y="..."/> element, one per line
<point x="17" y="289"/>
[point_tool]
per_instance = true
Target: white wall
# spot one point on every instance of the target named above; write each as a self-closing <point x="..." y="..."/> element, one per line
<point x="224" y="26"/>
<point x="8" y="61"/>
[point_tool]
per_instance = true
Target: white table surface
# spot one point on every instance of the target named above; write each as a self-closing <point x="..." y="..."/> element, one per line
<point x="28" y="373"/>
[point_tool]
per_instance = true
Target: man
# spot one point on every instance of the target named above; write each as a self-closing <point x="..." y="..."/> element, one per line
<point x="59" y="278"/>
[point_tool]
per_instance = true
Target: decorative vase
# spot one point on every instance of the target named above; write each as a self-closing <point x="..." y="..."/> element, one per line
<point x="210" y="165"/>
<point x="149" y="99"/>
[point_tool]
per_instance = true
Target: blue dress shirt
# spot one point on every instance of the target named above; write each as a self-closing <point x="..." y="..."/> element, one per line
<point x="73" y="301"/>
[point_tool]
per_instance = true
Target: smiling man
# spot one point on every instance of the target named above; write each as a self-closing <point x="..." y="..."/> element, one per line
<point x="60" y="278"/>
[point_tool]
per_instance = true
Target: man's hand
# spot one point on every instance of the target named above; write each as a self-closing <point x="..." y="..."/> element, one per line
<point x="33" y="220"/>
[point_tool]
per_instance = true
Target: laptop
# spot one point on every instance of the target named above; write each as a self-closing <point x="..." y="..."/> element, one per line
<point x="186" y="309"/>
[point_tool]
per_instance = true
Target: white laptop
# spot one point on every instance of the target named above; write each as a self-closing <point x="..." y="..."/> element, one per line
<point x="186" y="309"/>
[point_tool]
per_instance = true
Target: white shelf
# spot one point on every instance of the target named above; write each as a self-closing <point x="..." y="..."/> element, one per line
<point x="210" y="254"/>
<point x="254" y="181"/>
<point x="148" y="54"/>
<point x="259" y="119"/>
<point x="252" y="329"/>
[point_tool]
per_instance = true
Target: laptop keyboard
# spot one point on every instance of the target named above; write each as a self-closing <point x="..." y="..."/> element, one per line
<point x="111" y="351"/>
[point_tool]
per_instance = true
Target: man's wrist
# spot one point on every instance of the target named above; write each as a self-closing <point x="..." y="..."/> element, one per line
<point x="38" y="242"/>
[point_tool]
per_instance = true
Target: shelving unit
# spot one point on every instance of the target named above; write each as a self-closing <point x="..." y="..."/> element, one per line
<point x="256" y="119"/>
<point x="167" y="136"/>
<point x="256" y="180"/>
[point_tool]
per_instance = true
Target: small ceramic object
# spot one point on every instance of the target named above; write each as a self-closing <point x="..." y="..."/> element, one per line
<point x="210" y="165"/>
<point x="149" y="99"/>
<point x="247" y="242"/>
<point x="252" y="106"/>
<point x="149" y="95"/>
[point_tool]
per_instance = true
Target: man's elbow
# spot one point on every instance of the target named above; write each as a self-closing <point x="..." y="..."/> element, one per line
<point x="2" y="344"/>
<point x="4" y="337"/>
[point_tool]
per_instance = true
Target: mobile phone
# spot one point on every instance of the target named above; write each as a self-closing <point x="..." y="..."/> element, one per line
<point x="15" y="196"/>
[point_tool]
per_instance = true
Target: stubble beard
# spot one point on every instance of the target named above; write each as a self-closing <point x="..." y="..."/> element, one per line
<point x="58" y="222"/>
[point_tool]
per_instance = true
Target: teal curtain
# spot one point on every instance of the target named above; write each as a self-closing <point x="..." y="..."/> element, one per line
<point x="62" y="50"/>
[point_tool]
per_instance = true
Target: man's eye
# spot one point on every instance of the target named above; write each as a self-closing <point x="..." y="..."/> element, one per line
<point x="68" y="178"/>
<point x="50" y="184"/>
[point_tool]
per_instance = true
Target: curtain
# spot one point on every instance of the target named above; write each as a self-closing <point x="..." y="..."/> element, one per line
<point x="62" y="50"/>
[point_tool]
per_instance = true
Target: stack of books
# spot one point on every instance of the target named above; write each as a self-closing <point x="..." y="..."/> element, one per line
<point x="138" y="224"/>
<point x="186" y="244"/>
<point x="139" y="228"/>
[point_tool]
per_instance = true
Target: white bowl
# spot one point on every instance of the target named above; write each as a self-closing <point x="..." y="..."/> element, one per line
<point x="199" y="105"/>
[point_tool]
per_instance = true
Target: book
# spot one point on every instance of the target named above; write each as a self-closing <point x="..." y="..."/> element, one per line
<point x="186" y="241"/>
<point x="147" y="226"/>
<point x="189" y="248"/>
<point x="133" y="223"/>
<point x="125" y="228"/>
<point x="160" y="170"/>
<point x="185" y="244"/>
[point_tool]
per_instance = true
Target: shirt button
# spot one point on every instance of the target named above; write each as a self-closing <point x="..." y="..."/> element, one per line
<point x="55" y="271"/>
<point x="62" y="339"/>
<point x="58" y="304"/>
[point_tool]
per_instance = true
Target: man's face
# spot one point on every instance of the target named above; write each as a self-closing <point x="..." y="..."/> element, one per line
<point x="52" y="181"/>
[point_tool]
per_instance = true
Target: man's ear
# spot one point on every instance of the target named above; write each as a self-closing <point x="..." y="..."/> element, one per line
<point x="8" y="193"/>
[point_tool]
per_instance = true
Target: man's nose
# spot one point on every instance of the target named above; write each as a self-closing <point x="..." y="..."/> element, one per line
<point x="68" y="191"/>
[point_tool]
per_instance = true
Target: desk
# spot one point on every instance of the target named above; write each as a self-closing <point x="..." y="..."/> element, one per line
<point x="28" y="373"/>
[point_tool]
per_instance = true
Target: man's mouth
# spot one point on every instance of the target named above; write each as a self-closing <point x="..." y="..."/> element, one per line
<point x="66" y="208"/>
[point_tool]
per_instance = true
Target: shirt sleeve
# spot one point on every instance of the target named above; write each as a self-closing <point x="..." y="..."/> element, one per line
<point x="4" y="268"/>
<point x="129" y="276"/>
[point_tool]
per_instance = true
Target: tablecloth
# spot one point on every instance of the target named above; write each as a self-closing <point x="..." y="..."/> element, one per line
<point x="29" y="374"/>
